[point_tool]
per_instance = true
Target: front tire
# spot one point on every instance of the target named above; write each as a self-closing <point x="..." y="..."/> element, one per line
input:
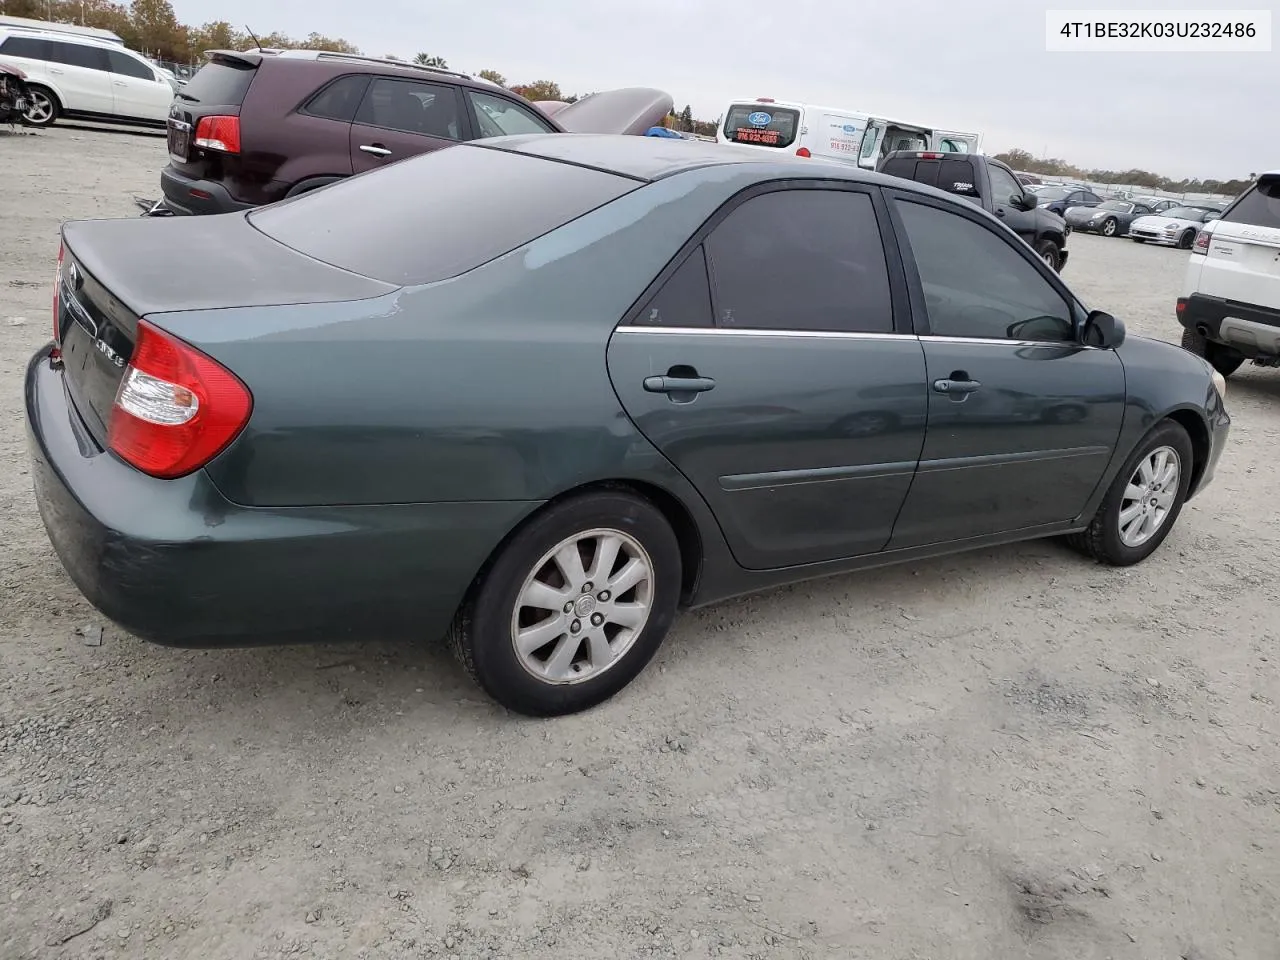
<point x="1109" y="227"/>
<point x="574" y="607"/>
<point x="1222" y="358"/>
<point x="1047" y="251"/>
<point x="1143" y="502"/>
<point x="44" y="107"/>
<point x="1186" y="240"/>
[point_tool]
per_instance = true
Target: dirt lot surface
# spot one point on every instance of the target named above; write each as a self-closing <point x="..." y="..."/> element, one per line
<point x="1012" y="753"/>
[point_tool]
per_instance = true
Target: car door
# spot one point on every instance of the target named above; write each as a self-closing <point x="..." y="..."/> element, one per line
<point x="81" y="74"/>
<point x="1005" y="189"/>
<point x="493" y="115"/>
<point x="1022" y="417"/>
<point x="138" y="92"/>
<point x="401" y="118"/>
<point x="773" y="364"/>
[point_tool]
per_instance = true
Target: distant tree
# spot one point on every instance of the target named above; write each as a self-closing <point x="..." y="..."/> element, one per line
<point x="493" y="76"/>
<point x="426" y="60"/>
<point x="215" y="35"/>
<point x="318" y="41"/>
<point x="154" y="29"/>
<point x="686" y="119"/>
<point x="539" y="90"/>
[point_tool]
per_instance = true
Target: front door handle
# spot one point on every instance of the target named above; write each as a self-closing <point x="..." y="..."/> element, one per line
<point x="376" y="149"/>
<point x="678" y="384"/>
<point x="956" y="388"/>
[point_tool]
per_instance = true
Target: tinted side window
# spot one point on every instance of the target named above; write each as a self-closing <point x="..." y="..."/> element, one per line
<point x="976" y="284"/>
<point x="1140" y="211"/>
<point x="127" y="66"/>
<point x="1258" y="207"/>
<point x="801" y="260"/>
<point x="684" y="300"/>
<point x="430" y="109"/>
<point x="1003" y="186"/>
<point x="498" y="116"/>
<point x="339" y="100"/>
<point x="78" y="55"/>
<point x="957" y="177"/>
<point x="29" y="47"/>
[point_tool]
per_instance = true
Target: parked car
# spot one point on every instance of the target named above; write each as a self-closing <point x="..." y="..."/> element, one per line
<point x="1056" y="198"/>
<point x="1157" y="204"/>
<point x="1175" y="227"/>
<point x="1230" y="303"/>
<point x="13" y="94"/>
<point x="1029" y="179"/>
<point x="253" y="128"/>
<point x="529" y="436"/>
<point x="85" y="77"/>
<point x="991" y="185"/>
<point x="1110" y="218"/>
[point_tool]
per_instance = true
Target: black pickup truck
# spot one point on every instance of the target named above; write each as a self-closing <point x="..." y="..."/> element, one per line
<point x="992" y="186"/>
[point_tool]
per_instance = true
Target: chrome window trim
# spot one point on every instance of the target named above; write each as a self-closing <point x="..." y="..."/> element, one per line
<point x="850" y="335"/>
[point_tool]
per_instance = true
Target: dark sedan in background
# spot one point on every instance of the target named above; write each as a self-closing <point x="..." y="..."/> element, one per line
<point x="1058" y="198"/>
<point x="618" y="376"/>
<point x="1111" y="218"/>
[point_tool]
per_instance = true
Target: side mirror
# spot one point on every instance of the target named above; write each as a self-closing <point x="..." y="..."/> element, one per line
<point x="1023" y="201"/>
<point x="1102" y="330"/>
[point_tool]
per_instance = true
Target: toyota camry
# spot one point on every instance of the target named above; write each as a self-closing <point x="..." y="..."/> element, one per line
<point x="538" y="393"/>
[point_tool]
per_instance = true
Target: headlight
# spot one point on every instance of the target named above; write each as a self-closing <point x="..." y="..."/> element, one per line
<point x="1220" y="384"/>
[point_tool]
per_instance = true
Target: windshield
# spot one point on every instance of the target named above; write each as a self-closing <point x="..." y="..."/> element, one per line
<point x="761" y="124"/>
<point x="1052" y="193"/>
<point x="1117" y="205"/>
<point x="1186" y="213"/>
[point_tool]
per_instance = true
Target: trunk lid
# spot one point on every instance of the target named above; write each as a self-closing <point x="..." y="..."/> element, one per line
<point x="117" y="271"/>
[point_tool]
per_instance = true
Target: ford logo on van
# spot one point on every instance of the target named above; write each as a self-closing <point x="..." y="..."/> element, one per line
<point x="849" y="128"/>
<point x="759" y="119"/>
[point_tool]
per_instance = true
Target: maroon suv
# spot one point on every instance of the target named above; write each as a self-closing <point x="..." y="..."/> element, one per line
<point x="252" y="128"/>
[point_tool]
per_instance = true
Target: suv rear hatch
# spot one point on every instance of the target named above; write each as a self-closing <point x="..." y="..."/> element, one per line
<point x="762" y="124"/>
<point x="1242" y="264"/>
<point x="207" y="109"/>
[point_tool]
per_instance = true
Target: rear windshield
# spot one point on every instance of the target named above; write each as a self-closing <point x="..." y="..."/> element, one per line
<point x="1259" y="206"/>
<point x="952" y="176"/>
<point x="435" y="216"/>
<point x="761" y="124"/>
<point x="219" y="82"/>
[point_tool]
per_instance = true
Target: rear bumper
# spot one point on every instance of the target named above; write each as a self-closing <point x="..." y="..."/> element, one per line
<point x="177" y="563"/>
<point x="1252" y="330"/>
<point x="185" y="196"/>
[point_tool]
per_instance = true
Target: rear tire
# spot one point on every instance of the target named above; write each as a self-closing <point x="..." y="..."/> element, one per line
<point x="44" y="107"/>
<point x="1222" y="358"/>
<point x="1134" y="499"/>
<point x="1048" y="251"/>
<point x="543" y="633"/>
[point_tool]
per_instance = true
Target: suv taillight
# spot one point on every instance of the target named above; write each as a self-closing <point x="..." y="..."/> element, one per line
<point x="56" y="353"/>
<point x="176" y="408"/>
<point x="218" y="133"/>
<point x="1201" y="246"/>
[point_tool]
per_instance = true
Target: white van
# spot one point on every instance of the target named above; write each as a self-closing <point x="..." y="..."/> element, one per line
<point x="90" y="77"/>
<point x="832" y="132"/>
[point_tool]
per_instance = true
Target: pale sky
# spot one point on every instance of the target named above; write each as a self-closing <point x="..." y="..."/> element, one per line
<point x="969" y="65"/>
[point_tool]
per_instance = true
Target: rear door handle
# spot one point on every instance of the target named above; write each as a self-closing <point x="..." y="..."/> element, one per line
<point x="956" y="387"/>
<point x="678" y="384"/>
<point x="56" y="70"/>
<point x="375" y="149"/>
<point x="119" y="83"/>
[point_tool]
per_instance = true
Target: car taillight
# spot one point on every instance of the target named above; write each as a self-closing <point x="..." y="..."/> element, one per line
<point x="176" y="408"/>
<point x="1201" y="246"/>
<point x="803" y="152"/>
<point x="1182" y="306"/>
<point x="56" y="353"/>
<point x="218" y="133"/>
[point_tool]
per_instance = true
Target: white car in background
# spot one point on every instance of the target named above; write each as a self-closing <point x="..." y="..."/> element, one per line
<point x="1175" y="227"/>
<point x="90" y="78"/>
<point x="1230" y="303"/>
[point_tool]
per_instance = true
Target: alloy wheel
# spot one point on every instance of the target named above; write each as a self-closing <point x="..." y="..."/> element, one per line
<point x="582" y="607"/>
<point x="39" y="108"/>
<point x="1149" y="496"/>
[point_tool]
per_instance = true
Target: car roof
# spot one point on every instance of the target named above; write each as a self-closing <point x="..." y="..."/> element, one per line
<point x="654" y="158"/>
<point x="43" y="33"/>
<point x="349" y="62"/>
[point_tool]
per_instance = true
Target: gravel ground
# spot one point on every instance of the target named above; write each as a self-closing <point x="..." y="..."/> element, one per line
<point x="1012" y="753"/>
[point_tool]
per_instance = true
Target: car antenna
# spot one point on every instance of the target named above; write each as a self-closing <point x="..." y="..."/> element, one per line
<point x="256" y="42"/>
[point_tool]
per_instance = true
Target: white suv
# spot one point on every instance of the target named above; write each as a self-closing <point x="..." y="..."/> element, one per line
<point x="78" y="76"/>
<point x="1230" y="303"/>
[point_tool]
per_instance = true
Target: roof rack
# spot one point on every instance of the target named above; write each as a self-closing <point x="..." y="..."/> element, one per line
<point x="334" y="55"/>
